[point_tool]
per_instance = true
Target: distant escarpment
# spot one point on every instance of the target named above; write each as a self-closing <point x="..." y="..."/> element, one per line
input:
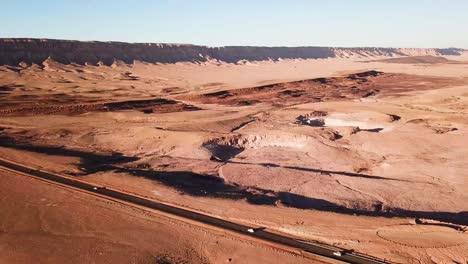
<point x="15" y="51"/>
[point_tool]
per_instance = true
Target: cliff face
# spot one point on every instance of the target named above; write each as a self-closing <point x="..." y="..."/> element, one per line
<point x="14" y="51"/>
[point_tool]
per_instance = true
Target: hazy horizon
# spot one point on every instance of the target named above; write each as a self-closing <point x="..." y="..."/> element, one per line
<point x="335" y="23"/>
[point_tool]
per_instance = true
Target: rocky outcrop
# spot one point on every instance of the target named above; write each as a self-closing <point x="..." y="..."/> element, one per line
<point x="15" y="51"/>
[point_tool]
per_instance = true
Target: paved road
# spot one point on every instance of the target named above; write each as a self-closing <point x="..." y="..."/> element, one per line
<point x="259" y="233"/>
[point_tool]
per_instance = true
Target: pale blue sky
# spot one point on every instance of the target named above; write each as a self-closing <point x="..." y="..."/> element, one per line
<point x="384" y="23"/>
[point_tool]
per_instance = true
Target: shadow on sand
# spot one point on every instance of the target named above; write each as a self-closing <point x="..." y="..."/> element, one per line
<point x="212" y="186"/>
<point x="89" y="162"/>
<point x="200" y="185"/>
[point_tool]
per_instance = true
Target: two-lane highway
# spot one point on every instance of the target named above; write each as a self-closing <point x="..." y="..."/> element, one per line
<point x="282" y="241"/>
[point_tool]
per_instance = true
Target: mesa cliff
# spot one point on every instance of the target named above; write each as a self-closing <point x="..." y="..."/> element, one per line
<point x="15" y="51"/>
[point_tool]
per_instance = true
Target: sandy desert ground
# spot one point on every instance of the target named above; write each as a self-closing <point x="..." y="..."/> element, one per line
<point x="365" y="154"/>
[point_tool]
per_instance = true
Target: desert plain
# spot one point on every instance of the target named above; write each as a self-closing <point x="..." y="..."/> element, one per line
<point x="364" y="151"/>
